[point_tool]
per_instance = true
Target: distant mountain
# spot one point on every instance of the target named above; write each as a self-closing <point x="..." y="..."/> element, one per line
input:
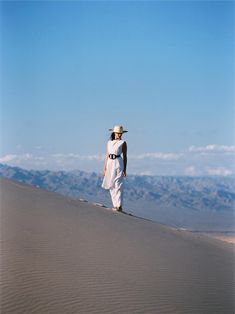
<point x="196" y="203"/>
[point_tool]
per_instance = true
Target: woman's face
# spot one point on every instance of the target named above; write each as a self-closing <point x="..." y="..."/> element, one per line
<point x="118" y="136"/>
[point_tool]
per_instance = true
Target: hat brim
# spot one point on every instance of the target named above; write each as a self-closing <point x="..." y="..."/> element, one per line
<point x="124" y="131"/>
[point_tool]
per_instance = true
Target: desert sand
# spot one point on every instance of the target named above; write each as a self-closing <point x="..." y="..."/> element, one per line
<point x="64" y="256"/>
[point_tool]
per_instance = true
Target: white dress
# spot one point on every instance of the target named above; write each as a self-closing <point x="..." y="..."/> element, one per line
<point x="114" y="167"/>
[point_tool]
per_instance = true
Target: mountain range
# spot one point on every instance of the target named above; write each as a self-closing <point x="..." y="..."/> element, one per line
<point x="194" y="203"/>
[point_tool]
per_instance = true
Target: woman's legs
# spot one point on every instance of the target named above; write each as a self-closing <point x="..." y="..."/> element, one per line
<point x="117" y="193"/>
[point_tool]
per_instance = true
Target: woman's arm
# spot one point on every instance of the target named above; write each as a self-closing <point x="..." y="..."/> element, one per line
<point x="105" y="163"/>
<point x="124" y="152"/>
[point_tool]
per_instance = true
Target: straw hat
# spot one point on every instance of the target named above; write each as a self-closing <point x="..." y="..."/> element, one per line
<point x="118" y="129"/>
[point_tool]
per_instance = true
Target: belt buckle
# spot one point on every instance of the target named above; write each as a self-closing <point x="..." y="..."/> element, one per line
<point x="112" y="156"/>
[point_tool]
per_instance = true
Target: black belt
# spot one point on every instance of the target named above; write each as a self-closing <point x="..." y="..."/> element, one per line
<point x="113" y="156"/>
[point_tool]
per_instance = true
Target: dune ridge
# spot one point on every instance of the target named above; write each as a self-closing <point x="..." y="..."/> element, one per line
<point x="64" y="256"/>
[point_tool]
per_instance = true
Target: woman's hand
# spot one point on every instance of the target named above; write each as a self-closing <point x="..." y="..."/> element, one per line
<point x="124" y="173"/>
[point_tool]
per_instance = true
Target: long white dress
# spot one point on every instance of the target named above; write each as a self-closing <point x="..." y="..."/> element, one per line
<point x="113" y="179"/>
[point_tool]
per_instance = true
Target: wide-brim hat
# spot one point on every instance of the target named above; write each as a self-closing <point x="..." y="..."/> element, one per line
<point x="118" y="129"/>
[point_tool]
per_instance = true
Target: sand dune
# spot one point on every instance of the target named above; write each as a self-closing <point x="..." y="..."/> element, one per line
<point x="63" y="256"/>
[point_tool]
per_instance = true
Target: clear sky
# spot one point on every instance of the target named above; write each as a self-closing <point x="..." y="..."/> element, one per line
<point x="72" y="70"/>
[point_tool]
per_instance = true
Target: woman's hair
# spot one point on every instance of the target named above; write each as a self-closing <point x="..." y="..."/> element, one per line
<point x="112" y="136"/>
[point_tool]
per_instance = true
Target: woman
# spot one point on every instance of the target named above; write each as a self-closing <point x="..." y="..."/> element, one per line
<point x="115" y="166"/>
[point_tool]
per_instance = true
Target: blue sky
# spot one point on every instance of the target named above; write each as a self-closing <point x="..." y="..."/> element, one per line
<point x="71" y="70"/>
